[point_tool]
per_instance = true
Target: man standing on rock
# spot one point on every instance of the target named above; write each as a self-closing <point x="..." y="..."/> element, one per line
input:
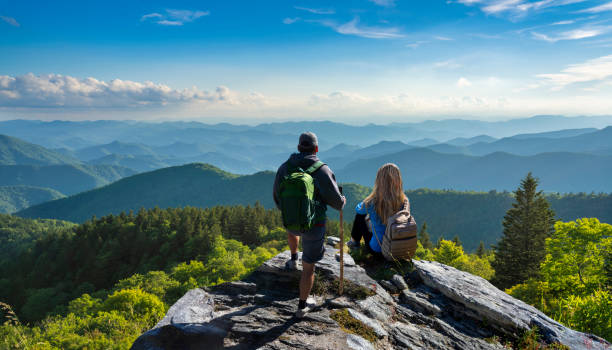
<point x="303" y="188"/>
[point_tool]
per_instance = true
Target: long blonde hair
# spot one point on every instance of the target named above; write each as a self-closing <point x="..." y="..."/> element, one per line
<point x="388" y="193"/>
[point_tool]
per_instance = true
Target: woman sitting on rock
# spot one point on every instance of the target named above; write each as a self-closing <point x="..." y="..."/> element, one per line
<point x="372" y="213"/>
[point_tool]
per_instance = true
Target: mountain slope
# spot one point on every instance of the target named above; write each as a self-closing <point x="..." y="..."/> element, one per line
<point x="15" y="198"/>
<point x="379" y="149"/>
<point x="423" y="167"/>
<point x="558" y="172"/>
<point x="193" y="184"/>
<point x="116" y="147"/>
<point x="417" y="165"/>
<point x="14" y="151"/>
<point x="590" y="142"/>
<point x="65" y="178"/>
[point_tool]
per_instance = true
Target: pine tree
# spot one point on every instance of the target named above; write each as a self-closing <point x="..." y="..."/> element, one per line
<point x="457" y="241"/>
<point x="527" y="224"/>
<point x="481" y="251"/>
<point x="424" y="237"/>
<point x="440" y="239"/>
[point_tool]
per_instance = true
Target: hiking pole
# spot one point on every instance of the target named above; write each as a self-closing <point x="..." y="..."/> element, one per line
<point x="341" y="288"/>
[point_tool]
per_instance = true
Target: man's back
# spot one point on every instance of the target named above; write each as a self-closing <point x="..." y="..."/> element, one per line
<point x="326" y="188"/>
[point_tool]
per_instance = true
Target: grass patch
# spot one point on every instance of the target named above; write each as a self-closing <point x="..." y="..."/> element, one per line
<point x="324" y="286"/>
<point x="377" y="267"/>
<point x="530" y="341"/>
<point x="349" y="324"/>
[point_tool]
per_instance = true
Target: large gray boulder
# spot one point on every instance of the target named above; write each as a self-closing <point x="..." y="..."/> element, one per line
<point x="442" y="308"/>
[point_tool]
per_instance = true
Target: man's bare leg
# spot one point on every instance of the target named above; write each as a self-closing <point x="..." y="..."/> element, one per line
<point x="307" y="280"/>
<point x="293" y="242"/>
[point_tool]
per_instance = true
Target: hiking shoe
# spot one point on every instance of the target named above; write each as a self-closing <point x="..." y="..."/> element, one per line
<point x="291" y="265"/>
<point x="310" y="305"/>
<point x="353" y="245"/>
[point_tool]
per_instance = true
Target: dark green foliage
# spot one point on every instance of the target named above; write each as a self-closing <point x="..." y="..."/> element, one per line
<point x="481" y="251"/>
<point x="439" y="241"/>
<point x="457" y="241"/>
<point x="64" y="264"/>
<point x="17" y="235"/>
<point x="526" y="226"/>
<point x="424" y="237"/>
<point x="14" y="198"/>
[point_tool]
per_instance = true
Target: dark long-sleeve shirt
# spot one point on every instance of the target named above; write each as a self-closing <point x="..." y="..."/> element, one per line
<point x="326" y="188"/>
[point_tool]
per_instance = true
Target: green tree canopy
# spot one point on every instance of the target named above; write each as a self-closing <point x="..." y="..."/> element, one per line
<point x="527" y="224"/>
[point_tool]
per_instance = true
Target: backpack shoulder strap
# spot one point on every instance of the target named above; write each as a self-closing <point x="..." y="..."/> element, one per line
<point x="316" y="166"/>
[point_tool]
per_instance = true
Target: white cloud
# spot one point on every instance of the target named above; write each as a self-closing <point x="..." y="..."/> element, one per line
<point x="385" y="3"/>
<point x="166" y="22"/>
<point x="354" y="28"/>
<point x="56" y="90"/>
<point x="174" y="17"/>
<point x="575" y="34"/>
<point x="316" y="11"/>
<point x="594" y="70"/>
<point x="515" y="7"/>
<point x="10" y="20"/>
<point x="442" y="38"/>
<point x="151" y="15"/>
<point x="449" y="64"/>
<point x="463" y="83"/>
<point x="289" y="20"/>
<point x="600" y="8"/>
<point x="416" y="44"/>
<point x="560" y="23"/>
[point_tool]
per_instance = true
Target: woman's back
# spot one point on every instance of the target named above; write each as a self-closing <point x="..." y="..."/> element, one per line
<point x="386" y="199"/>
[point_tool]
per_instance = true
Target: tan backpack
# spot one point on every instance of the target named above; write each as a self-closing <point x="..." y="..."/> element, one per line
<point x="400" y="239"/>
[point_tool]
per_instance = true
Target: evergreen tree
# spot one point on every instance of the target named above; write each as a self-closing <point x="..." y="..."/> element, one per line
<point x="526" y="226"/>
<point x="482" y="251"/>
<point x="457" y="241"/>
<point x="424" y="237"/>
<point x="439" y="241"/>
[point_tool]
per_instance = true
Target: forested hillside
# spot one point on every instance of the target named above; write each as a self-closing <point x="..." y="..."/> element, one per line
<point x="65" y="178"/>
<point x="15" y="198"/>
<point x="473" y="216"/>
<point x="47" y="268"/>
<point x="14" y="151"/>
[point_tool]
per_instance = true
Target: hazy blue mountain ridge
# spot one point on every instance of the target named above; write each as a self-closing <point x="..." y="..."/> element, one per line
<point x="15" y="151"/>
<point x="15" y="198"/>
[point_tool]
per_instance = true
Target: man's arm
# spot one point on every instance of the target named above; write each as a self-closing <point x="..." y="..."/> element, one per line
<point x="277" y="181"/>
<point x="328" y="188"/>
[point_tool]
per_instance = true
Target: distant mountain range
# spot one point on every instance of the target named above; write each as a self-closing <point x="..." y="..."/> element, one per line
<point x="422" y="167"/>
<point x="470" y="215"/>
<point x="31" y="174"/>
<point x="15" y="198"/>
<point x="14" y="151"/>
<point x="566" y="160"/>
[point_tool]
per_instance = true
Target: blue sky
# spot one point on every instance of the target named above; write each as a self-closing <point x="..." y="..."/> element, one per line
<point x="353" y="61"/>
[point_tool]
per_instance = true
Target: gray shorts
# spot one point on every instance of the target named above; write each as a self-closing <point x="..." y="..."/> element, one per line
<point x="313" y="246"/>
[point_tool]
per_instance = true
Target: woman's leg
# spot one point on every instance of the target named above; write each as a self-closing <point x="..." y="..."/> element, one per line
<point x="360" y="228"/>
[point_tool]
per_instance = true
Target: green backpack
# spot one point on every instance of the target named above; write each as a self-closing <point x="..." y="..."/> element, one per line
<point x="297" y="203"/>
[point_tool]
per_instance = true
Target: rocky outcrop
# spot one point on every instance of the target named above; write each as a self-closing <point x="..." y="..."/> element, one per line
<point x="433" y="307"/>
